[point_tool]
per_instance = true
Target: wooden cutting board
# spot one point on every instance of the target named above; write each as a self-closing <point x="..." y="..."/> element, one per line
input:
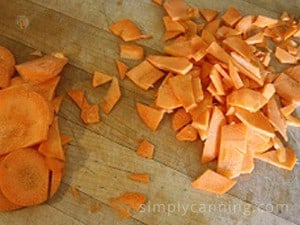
<point x="101" y="156"/>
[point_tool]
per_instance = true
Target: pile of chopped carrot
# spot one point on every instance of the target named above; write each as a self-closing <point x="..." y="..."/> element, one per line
<point x="220" y="84"/>
<point x="31" y="156"/>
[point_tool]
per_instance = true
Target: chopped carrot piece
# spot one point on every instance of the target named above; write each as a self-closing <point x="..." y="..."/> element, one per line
<point x="231" y="16"/>
<point x="247" y="99"/>
<point x="238" y="45"/>
<point x="6" y="205"/>
<point x="180" y="118"/>
<point x="176" y="9"/>
<point x="217" y="82"/>
<point x="183" y="89"/>
<point x="263" y="21"/>
<point x="208" y="14"/>
<point x="208" y="37"/>
<point x="46" y="88"/>
<point x="188" y="133"/>
<point x="213" y="26"/>
<point x="267" y="59"/>
<point x="201" y="119"/>
<point x="122" y="212"/>
<point x="122" y="69"/>
<point x="145" y="75"/>
<point x="244" y="24"/>
<point x="225" y="32"/>
<point x="170" y="35"/>
<point x="248" y="162"/>
<point x="131" y="51"/>
<point x="95" y="208"/>
<point x="36" y="53"/>
<point x="56" y="179"/>
<point x="255" y="39"/>
<point x="150" y="116"/>
<point x="258" y="142"/>
<point x="140" y="177"/>
<point x="90" y="114"/>
<point x="211" y="146"/>
<point x="100" y="78"/>
<point x="112" y="96"/>
<point x="197" y="89"/>
<point x="56" y="103"/>
<point x="287" y="88"/>
<point x="271" y="157"/>
<point x="77" y="96"/>
<point x="173" y="64"/>
<point x="31" y="122"/>
<point x="16" y="80"/>
<point x="65" y="139"/>
<point x="247" y="65"/>
<point x="233" y="147"/>
<point x="203" y="134"/>
<point x="52" y="147"/>
<point x="218" y="52"/>
<point x="127" y="30"/>
<point x="7" y="67"/>
<point x="146" y="149"/>
<point x="42" y="69"/>
<point x="281" y="151"/>
<point x="134" y="200"/>
<point x="30" y="188"/>
<point x="173" y="26"/>
<point x="55" y="165"/>
<point x="75" y="193"/>
<point x="293" y="72"/>
<point x="213" y="182"/>
<point x="288" y="110"/>
<point x="235" y="77"/>
<point x="255" y="120"/>
<point x="284" y="57"/>
<point x="293" y="121"/>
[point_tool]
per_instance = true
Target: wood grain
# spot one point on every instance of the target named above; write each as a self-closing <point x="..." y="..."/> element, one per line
<point x="101" y="156"/>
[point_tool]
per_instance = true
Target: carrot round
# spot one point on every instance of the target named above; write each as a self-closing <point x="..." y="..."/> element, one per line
<point x="24" y="177"/>
<point x="24" y="117"/>
<point x="6" y="205"/>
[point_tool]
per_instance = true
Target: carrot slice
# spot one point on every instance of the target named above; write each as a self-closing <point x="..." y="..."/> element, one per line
<point x="231" y="16"/>
<point x="134" y="200"/>
<point x="263" y="21"/>
<point x="213" y="26"/>
<point x="180" y="118"/>
<point x="122" y="69"/>
<point x="293" y="72"/>
<point x="247" y="65"/>
<point x="284" y="57"/>
<point x="188" y="133"/>
<point x="211" y="146"/>
<point x="46" y="88"/>
<point x="213" y="182"/>
<point x="56" y="103"/>
<point x="65" y="139"/>
<point x="233" y="147"/>
<point x="122" y="212"/>
<point x="173" y="64"/>
<point x="244" y="24"/>
<point x="42" y="69"/>
<point x="131" y="51"/>
<point x="183" y="89"/>
<point x="127" y="30"/>
<point x="176" y="9"/>
<point x="287" y="88"/>
<point x="55" y="165"/>
<point x="77" y="96"/>
<point x="256" y="121"/>
<point x="218" y="52"/>
<point x="197" y="89"/>
<point x="281" y="151"/>
<point x="90" y="114"/>
<point x="170" y="35"/>
<point x="217" y="81"/>
<point x="238" y="45"/>
<point x="173" y="26"/>
<point x="247" y="99"/>
<point x="6" y="205"/>
<point x="150" y="116"/>
<point x="145" y="75"/>
<point x="7" y="67"/>
<point x="52" y="147"/>
<point x="32" y="186"/>
<point x="16" y="80"/>
<point x="288" y="110"/>
<point x="158" y="2"/>
<point x="271" y="157"/>
<point x="255" y="39"/>
<point x="293" y="121"/>
<point x="258" y="142"/>
<point x="113" y="95"/>
<point x="145" y="149"/>
<point x="276" y="118"/>
<point x="248" y="162"/>
<point x="208" y="14"/>
<point x="100" y="78"/>
<point x="235" y="77"/>
<point x="140" y="177"/>
<point x="31" y="120"/>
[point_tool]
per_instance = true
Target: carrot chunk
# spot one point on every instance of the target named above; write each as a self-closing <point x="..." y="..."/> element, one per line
<point x="131" y="51"/>
<point x="127" y="30"/>
<point x="7" y="67"/>
<point x="188" y="133"/>
<point x="231" y="16"/>
<point x="122" y="69"/>
<point x="100" y="78"/>
<point x="90" y="114"/>
<point x="284" y="57"/>
<point x="208" y="14"/>
<point x="134" y="200"/>
<point x="176" y="9"/>
<point x="150" y="116"/>
<point x="113" y="95"/>
<point x="180" y="119"/>
<point x="146" y="149"/>
<point x="287" y="88"/>
<point x="263" y="21"/>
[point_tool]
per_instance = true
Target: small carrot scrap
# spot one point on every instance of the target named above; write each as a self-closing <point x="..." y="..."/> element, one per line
<point x="140" y="177"/>
<point x="218" y="52"/>
<point x="145" y="75"/>
<point x="244" y="24"/>
<point x="77" y="96"/>
<point x="56" y="178"/>
<point x="113" y="95"/>
<point x="100" y="78"/>
<point x="188" y="133"/>
<point x="281" y="150"/>
<point x="7" y="67"/>
<point x="146" y="149"/>
<point x="213" y="26"/>
<point x="46" y="88"/>
<point x="231" y="16"/>
<point x="284" y="57"/>
<point x="56" y="103"/>
<point x="36" y="53"/>
<point x="208" y="14"/>
<point x="248" y="162"/>
<point x="65" y="139"/>
<point x="255" y="39"/>
<point x="95" y="208"/>
<point x="150" y="116"/>
<point x="235" y="77"/>
<point x="238" y="45"/>
<point x="287" y="88"/>
<point x="263" y="21"/>
<point x="131" y="51"/>
<point x="134" y="200"/>
<point x="122" y="69"/>
<point x="90" y="114"/>
<point x="258" y="142"/>
<point x="176" y="9"/>
<point x="213" y="182"/>
<point x="173" y="26"/>
<point x="293" y="72"/>
<point x="123" y="213"/>
<point x="180" y="119"/>
<point x="293" y="121"/>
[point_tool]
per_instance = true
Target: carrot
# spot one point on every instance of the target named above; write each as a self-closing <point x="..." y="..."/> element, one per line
<point x="131" y="51"/>
<point x="7" y="67"/>
<point x="145" y="75"/>
<point x="42" y="69"/>
<point x="268" y="91"/>
<point x="272" y="158"/>
<point x="172" y="64"/>
<point x="65" y="139"/>
<point x="213" y="26"/>
<point x="173" y="26"/>
<point x="16" y="80"/>
<point x="46" y="88"/>
<point x="218" y="52"/>
<point x="213" y="182"/>
<point x="158" y="2"/>
<point x="293" y="121"/>
<point x="100" y="78"/>
<point x="188" y="133"/>
<point x="113" y="95"/>
<point x="217" y="81"/>
<point x="56" y="103"/>
<point x="90" y="114"/>
<point x="150" y="116"/>
<point x="52" y="147"/>
<point x="31" y="187"/>
<point x="225" y="32"/>
<point x="238" y="45"/>
<point x="31" y="120"/>
<point x="244" y="24"/>
<point x="77" y="96"/>
<point x="183" y="90"/>
<point x="6" y="205"/>
<point x="288" y="110"/>
<point x="235" y="77"/>
<point x="293" y="72"/>
<point x="180" y="119"/>
<point x="122" y="212"/>
<point x="197" y="89"/>
<point x="231" y="16"/>
<point x="208" y="14"/>
<point x="140" y="177"/>
<point x="284" y="57"/>
<point x="287" y="88"/>
<point x="170" y="35"/>
<point x="134" y="200"/>
<point x="248" y="162"/>
<point x="258" y="142"/>
<point x="255" y="39"/>
<point x="122" y="69"/>
<point x="176" y="9"/>
<point x="211" y="145"/>
<point x="146" y="149"/>
<point x="263" y="21"/>
<point x="233" y="147"/>
<point x="281" y="150"/>
<point x="37" y="53"/>
<point x="55" y="165"/>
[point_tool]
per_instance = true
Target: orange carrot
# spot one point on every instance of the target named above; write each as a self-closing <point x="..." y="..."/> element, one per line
<point x="176" y="9"/>
<point x="146" y="149"/>
<point x="180" y="119"/>
<point x="263" y="21"/>
<point x="244" y="24"/>
<point x="213" y="182"/>
<point x="65" y="139"/>
<point x="134" y="200"/>
<point x="288" y="110"/>
<point x="46" y="88"/>
<point x="95" y="208"/>
<point x="56" y="177"/>
<point x="238" y="45"/>
<point x="218" y="52"/>
<point x="284" y="57"/>
<point x="131" y="51"/>
<point x="231" y="16"/>
<point x="122" y="212"/>
<point x="173" y="26"/>
<point x="90" y="114"/>
<point x="122" y="69"/>
<point x="140" y="177"/>
<point x="113" y="95"/>
<point x="75" y="193"/>
<point x="7" y="67"/>
<point x="56" y="103"/>
<point x="150" y="116"/>
<point x="6" y="205"/>
<point x="287" y="88"/>
<point x="158" y="2"/>
<point x="188" y="133"/>
<point x="30" y="188"/>
<point x="248" y="162"/>
<point x="208" y="14"/>
<point x="77" y="96"/>
<point x="100" y="78"/>
<point x="235" y="77"/>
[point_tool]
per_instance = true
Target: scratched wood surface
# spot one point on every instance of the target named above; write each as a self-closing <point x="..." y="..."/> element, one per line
<point x="101" y="156"/>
